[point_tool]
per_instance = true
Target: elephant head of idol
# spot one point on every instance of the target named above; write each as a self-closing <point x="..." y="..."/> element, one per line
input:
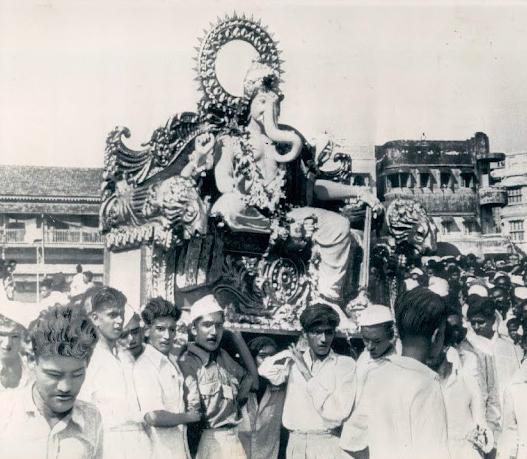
<point x="263" y="96"/>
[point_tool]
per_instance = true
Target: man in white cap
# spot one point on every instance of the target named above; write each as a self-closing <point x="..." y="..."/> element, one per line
<point x="415" y="279"/>
<point x="378" y="334"/>
<point x="406" y="412"/>
<point x="221" y="382"/>
<point x="13" y="370"/>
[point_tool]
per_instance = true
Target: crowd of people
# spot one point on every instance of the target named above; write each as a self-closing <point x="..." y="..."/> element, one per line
<point x="441" y="375"/>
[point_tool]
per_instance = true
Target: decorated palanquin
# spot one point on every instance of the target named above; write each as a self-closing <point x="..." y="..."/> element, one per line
<point x="229" y="199"/>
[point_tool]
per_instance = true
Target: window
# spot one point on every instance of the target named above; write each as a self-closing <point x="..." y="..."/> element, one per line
<point x="516" y="230"/>
<point x="394" y="180"/>
<point x="445" y="179"/>
<point x="424" y="178"/>
<point x="514" y="195"/>
<point x="467" y="180"/>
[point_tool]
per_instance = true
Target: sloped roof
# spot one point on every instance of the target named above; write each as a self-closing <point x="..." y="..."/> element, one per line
<point x="56" y="182"/>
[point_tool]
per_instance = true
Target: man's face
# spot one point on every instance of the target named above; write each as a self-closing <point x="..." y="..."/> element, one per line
<point x="454" y="276"/>
<point x="377" y="340"/>
<point x="58" y="380"/>
<point x="208" y="331"/>
<point x="10" y="343"/>
<point x="483" y="326"/>
<point x="435" y="355"/>
<point x="319" y="339"/>
<point x="132" y="337"/>
<point x="44" y="292"/>
<point x="500" y="297"/>
<point x="265" y="352"/>
<point x="109" y="321"/>
<point x="514" y="260"/>
<point x="161" y="334"/>
<point x="85" y="279"/>
<point x="513" y="332"/>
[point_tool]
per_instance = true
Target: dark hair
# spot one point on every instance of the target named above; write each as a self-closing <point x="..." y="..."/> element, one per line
<point x="419" y="312"/>
<point x="317" y="315"/>
<point x="257" y="344"/>
<point x="159" y="307"/>
<point x="103" y="296"/>
<point x="78" y="268"/>
<point x="482" y="307"/>
<point x="514" y="321"/>
<point x="46" y="283"/>
<point x="64" y="331"/>
<point x="88" y="275"/>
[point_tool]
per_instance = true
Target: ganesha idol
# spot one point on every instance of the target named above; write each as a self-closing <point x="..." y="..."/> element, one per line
<point x="251" y="174"/>
<point x="229" y="198"/>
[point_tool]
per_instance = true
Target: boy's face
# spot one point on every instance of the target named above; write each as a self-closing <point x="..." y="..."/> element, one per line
<point x="208" y="331"/>
<point x="265" y="352"/>
<point x="131" y="338"/>
<point x="482" y="325"/>
<point x="377" y="339"/>
<point x="10" y="342"/>
<point x="109" y="321"/>
<point x="320" y="339"/>
<point x="58" y="380"/>
<point x="161" y="334"/>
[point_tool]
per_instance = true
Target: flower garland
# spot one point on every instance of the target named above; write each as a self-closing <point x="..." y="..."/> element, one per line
<point x="261" y="194"/>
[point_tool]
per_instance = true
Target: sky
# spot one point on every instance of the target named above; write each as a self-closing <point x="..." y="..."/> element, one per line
<point x="368" y="72"/>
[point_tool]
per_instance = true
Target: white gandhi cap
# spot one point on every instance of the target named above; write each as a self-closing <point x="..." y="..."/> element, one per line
<point x="479" y="290"/>
<point x="204" y="306"/>
<point x="375" y="314"/>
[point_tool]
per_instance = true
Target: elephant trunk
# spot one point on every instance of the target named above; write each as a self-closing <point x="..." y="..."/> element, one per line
<point x="281" y="136"/>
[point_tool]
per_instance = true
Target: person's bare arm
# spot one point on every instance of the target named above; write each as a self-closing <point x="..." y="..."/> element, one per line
<point x="162" y="418"/>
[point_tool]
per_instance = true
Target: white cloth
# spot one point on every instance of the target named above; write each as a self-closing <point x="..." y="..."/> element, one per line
<point x="77" y="285"/>
<point x="220" y="443"/>
<point x="109" y="386"/>
<point x="320" y="404"/>
<point x="513" y="442"/>
<point x="313" y="446"/>
<point x="354" y="431"/>
<point x="507" y="358"/>
<point x="406" y="411"/>
<point x="159" y="385"/>
<point x="464" y="406"/>
<point x="25" y="433"/>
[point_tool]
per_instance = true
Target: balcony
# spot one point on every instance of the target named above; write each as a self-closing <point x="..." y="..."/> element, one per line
<point x="52" y="237"/>
<point x="492" y="195"/>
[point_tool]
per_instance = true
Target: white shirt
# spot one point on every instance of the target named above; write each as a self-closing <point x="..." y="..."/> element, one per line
<point x="406" y="411"/>
<point x="25" y="433"/>
<point x="159" y="385"/>
<point x="320" y="404"/>
<point x="513" y="442"/>
<point x="464" y="405"/>
<point x="109" y="386"/>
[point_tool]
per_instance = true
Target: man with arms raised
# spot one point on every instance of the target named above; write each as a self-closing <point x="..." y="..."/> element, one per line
<point x="222" y="383"/>
<point x="320" y="387"/>
<point x="160" y="383"/>
<point x="45" y="420"/>
<point x="406" y="411"/>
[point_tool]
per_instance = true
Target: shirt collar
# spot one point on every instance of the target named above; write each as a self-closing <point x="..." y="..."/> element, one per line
<point x="29" y="407"/>
<point x="309" y="361"/>
<point x="201" y="353"/>
<point x="155" y="356"/>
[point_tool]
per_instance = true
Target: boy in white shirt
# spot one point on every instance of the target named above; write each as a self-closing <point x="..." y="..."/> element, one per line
<point x="160" y="383"/>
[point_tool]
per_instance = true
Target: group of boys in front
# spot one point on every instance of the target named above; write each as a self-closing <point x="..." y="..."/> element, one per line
<point x="99" y="380"/>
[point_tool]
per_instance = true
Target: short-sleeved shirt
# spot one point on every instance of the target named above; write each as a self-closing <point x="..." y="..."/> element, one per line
<point x="25" y="433"/>
<point x="218" y="378"/>
<point x="160" y="387"/>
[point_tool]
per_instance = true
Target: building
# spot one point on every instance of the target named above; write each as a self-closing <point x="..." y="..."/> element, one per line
<point x="49" y="219"/>
<point x="453" y="181"/>
<point x="512" y="175"/>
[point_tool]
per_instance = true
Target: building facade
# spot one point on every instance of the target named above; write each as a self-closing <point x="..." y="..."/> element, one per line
<point x="512" y="175"/>
<point x="453" y="181"/>
<point x="49" y="218"/>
